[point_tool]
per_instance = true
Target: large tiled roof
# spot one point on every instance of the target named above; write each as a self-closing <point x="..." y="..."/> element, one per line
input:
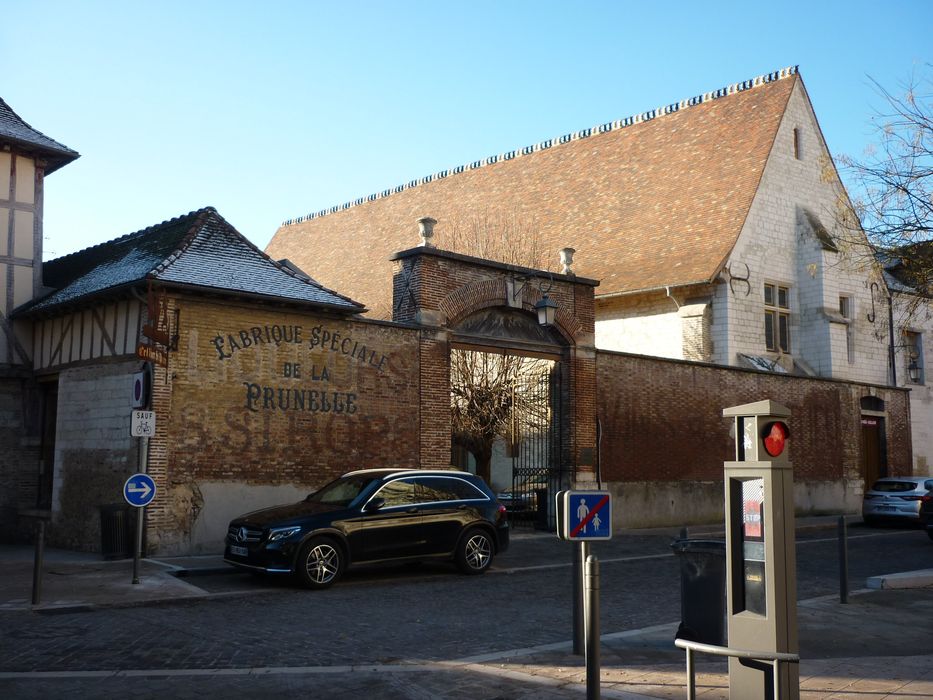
<point x="16" y="132"/>
<point x="197" y="250"/>
<point x="654" y="200"/>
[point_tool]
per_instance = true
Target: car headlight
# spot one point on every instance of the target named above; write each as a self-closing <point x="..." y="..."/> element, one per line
<point x="282" y="533"/>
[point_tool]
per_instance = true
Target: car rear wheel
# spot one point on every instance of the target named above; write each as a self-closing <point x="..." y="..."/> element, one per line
<point x="320" y="563"/>
<point x="474" y="554"/>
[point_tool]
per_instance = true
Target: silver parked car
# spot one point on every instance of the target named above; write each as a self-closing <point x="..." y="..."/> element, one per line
<point x="896" y="498"/>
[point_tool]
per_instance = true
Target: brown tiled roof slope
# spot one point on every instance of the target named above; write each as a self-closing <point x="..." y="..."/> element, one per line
<point x="652" y="204"/>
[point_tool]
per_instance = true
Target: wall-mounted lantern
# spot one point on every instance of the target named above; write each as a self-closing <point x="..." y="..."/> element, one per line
<point x="913" y="371"/>
<point x="547" y="310"/>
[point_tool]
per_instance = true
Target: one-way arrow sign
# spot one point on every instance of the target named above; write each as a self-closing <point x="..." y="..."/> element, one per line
<point x="139" y="490"/>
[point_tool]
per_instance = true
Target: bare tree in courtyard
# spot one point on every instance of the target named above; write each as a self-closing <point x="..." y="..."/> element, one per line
<point x="487" y="393"/>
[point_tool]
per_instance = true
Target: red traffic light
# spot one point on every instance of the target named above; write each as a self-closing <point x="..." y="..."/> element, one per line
<point x="774" y="436"/>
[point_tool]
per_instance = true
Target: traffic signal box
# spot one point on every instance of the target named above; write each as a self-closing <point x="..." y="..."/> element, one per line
<point x="761" y="565"/>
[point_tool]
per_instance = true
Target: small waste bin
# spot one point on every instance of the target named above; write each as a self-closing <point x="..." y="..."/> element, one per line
<point x="541" y="509"/>
<point x="117" y="531"/>
<point x="702" y="590"/>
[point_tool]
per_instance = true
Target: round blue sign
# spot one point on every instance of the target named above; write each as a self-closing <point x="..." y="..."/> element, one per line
<point x="139" y="490"/>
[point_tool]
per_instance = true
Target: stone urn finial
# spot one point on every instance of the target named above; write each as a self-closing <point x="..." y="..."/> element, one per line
<point x="566" y="260"/>
<point x="426" y="229"/>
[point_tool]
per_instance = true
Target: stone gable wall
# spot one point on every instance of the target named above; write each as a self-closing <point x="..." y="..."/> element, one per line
<point x="94" y="452"/>
<point x="19" y="456"/>
<point x="779" y="246"/>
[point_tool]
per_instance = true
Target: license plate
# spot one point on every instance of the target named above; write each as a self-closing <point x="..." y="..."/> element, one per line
<point x="886" y="508"/>
<point x="239" y="551"/>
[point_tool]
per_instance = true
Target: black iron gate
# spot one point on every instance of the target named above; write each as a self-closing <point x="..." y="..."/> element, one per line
<point x="535" y="448"/>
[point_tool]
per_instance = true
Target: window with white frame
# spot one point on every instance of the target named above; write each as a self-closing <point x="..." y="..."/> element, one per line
<point x="845" y="310"/>
<point x="913" y="342"/>
<point x="777" y="318"/>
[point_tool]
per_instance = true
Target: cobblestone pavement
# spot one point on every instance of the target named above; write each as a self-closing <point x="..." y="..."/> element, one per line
<point x="393" y="633"/>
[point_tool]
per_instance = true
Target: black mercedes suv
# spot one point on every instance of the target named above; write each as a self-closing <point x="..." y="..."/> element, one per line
<point x="371" y="516"/>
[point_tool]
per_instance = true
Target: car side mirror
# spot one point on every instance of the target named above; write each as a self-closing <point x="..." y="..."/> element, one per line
<point x="376" y="503"/>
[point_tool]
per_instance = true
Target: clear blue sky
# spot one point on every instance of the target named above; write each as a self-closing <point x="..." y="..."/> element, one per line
<point x="272" y="110"/>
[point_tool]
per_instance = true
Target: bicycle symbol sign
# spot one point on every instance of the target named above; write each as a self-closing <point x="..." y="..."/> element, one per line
<point x="142" y="423"/>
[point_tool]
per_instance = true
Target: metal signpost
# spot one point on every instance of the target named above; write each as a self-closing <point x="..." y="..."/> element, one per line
<point x="140" y="489"/>
<point x="583" y="516"/>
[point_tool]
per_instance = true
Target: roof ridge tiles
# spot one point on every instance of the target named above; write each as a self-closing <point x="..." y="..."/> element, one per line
<point x="649" y="115"/>
<point x="200" y="216"/>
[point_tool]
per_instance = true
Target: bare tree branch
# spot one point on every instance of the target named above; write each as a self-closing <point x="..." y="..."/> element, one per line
<point x="890" y="215"/>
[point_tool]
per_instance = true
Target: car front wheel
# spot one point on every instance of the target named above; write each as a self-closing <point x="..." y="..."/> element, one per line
<point x="320" y="563"/>
<point x="474" y="555"/>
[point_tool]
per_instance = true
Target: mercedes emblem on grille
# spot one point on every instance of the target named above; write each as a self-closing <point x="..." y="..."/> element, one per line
<point x="241" y="535"/>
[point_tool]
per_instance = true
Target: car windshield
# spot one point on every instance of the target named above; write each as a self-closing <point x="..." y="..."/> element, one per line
<point x="894" y="486"/>
<point x="342" y="491"/>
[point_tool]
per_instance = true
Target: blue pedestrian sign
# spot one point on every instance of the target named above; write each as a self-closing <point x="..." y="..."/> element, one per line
<point x="586" y="515"/>
<point x="139" y="490"/>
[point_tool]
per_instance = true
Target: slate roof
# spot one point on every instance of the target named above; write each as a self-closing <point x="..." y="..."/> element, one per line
<point x="199" y="250"/>
<point x="651" y="201"/>
<point x="909" y="269"/>
<point x="16" y="132"/>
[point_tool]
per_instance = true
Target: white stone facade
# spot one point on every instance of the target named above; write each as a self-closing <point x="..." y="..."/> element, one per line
<point x="785" y="242"/>
<point x="917" y="319"/>
<point x="779" y="245"/>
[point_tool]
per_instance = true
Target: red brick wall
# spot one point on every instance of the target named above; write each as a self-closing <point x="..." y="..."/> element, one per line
<point x="661" y="420"/>
<point x="439" y="289"/>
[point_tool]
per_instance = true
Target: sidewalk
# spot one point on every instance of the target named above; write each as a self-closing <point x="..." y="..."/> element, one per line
<point x="840" y="645"/>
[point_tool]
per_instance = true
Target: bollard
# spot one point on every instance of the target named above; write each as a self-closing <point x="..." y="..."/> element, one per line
<point x="579" y="618"/>
<point x="138" y="545"/>
<point x="843" y="561"/>
<point x="592" y="627"/>
<point x="37" y="564"/>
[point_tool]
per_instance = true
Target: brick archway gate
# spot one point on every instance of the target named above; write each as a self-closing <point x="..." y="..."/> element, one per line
<point x="470" y="304"/>
<point x="508" y="413"/>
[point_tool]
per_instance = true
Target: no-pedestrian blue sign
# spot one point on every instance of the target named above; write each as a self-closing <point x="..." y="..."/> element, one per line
<point x="139" y="490"/>
<point x="586" y="515"/>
